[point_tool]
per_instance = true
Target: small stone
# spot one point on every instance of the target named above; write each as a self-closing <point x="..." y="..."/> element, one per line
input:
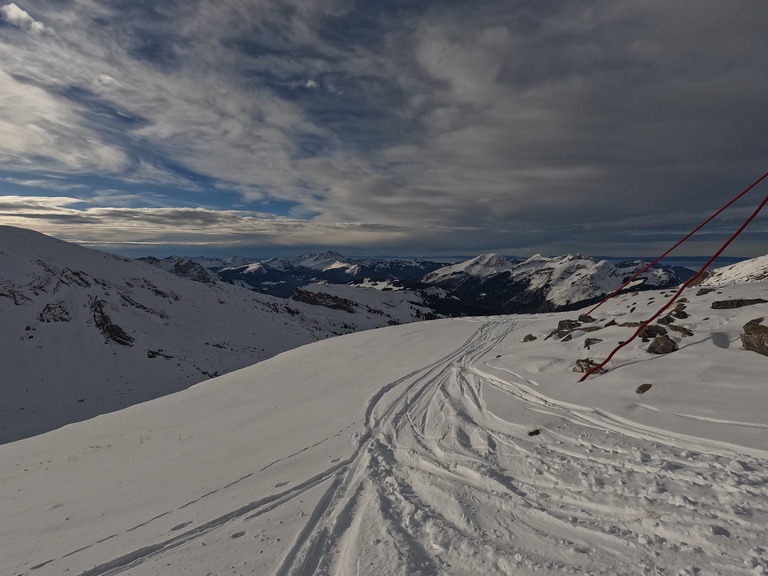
<point x="590" y="341"/>
<point x="564" y="327"/>
<point x="643" y="388"/>
<point x="662" y="344"/>
<point x="681" y="329"/>
<point x="529" y="338"/>
<point x="585" y="365"/>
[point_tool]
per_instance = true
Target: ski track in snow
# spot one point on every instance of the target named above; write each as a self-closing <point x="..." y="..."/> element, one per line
<point x="585" y="495"/>
<point x="441" y="484"/>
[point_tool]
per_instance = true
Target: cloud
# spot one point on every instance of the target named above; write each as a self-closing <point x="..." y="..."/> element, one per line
<point x="42" y="132"/>
<point x="115" y="227"/>
<point x="521" y="126"/>
<point x="12" y="14"/>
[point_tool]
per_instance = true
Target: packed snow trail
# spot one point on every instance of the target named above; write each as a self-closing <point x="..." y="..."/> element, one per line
<point x="445" y="485"/>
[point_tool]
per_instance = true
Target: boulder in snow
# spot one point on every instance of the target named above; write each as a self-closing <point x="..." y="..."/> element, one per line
<point x="662" y="344"/>
<point x="755" y="337"/>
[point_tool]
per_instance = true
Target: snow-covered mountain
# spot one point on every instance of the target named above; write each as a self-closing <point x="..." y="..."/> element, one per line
<point x="486" y="284"/>
<point x="281" y="276"/>
<point x="458" y="446"/>
<point x="481" y="266"/>
<point x="329" y="260"/>
<point x="493" y="284"/>
<point x="84" y="332"/>
<point x="185" y="268"/>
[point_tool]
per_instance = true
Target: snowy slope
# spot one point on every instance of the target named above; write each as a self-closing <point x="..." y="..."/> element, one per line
<point x="368" y="306"/>
<point x="480" y="266"/>
<point x="84" y="332"/>
<point x="329" y="260"/>
<point x="185" y="268"/>
<point x="460" y="446"/>
<point x="748" y="271"/>
<point x="573" y="278"/>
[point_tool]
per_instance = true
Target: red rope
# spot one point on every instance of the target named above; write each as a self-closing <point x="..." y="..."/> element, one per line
<point x="682" y="287"/>
<point x="699" y="227"/>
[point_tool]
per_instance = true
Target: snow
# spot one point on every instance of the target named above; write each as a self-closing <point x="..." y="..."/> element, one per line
<point x="372" y="306"/>
<point x="59" y="367"/>
<point x="573" y="278"/>
<point x="444" y="447"/>
<point x="327" y="261"/>
<point x="747" y="271"/>
<point x="480" y="266"/>
<point x="562" y="280"/>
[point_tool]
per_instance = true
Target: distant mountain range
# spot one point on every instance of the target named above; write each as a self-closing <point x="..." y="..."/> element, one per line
<point x="486" y="284"/>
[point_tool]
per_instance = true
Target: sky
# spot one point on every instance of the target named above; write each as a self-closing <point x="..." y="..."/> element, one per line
<point x="259" y="127"/>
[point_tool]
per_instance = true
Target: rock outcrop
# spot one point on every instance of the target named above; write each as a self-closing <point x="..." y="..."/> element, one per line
<point x="755" y="336"/>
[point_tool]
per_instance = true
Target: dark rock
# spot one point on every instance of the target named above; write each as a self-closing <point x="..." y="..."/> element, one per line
<point x="755" y="337"/>
<point x="567" y="326"/>
<point x="590" y="341"/>
<point x="736" y="303"/>
<point x="703" y="291"/>
<point x="535" y="432"/>
<point x="643" y="388"/>
<point x="587" y="319"/>
<point x="564" y="327"/>
<point x="104" y="323"/>
<point x="611" y="322"/>
<point x="323" y="299"/>
<point x="681" y="329"/>
<point x="662" y="344"/>
<point x="55" y="312"/>
<point x="652" y="331"/>
<point x="666" y="320"/>
<point x="529" y="338"/>
<point x="156" y="353"/>
<point x="585" y="365"/>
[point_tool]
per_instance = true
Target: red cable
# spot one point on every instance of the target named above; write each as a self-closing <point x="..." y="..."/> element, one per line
<point x="680" y="291"/>
<point x="699" y="227"/>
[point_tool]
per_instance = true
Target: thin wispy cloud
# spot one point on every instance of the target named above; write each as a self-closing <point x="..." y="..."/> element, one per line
<point x="444" y="127"/>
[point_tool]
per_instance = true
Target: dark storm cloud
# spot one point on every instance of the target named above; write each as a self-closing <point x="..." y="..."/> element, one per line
<point x="443" y="126"/>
